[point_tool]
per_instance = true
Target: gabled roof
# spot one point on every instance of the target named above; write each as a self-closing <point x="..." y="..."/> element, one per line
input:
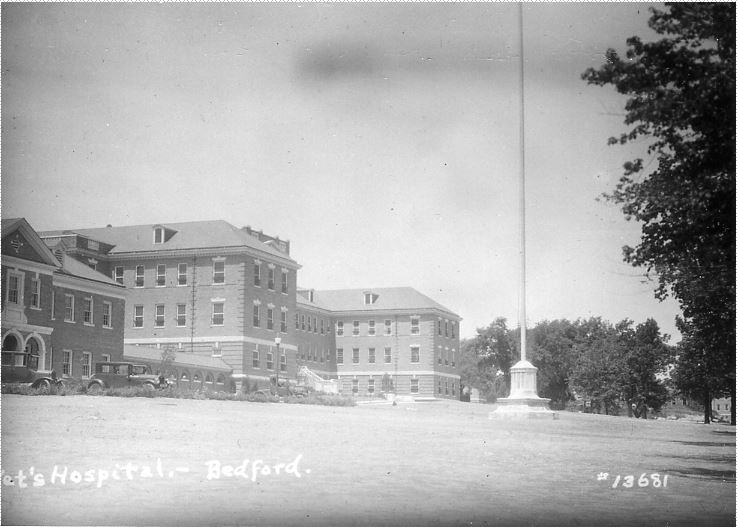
<point x="303" y="300"/>
<point x="40" y="252"/>
<point x="386" y="299"/>
<point x="180" y="236"/>
<point x="133" y="353"/>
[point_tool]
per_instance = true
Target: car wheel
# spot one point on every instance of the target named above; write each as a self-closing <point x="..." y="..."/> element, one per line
<point x="94" y="389"/>
<point x="148" y="387"/>
<point x="44" y="386"/>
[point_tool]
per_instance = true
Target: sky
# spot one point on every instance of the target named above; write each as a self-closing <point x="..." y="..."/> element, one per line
<point x="382" y="140"/>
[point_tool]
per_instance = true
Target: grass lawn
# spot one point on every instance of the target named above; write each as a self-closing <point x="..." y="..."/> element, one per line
<point x="440" y="463"/>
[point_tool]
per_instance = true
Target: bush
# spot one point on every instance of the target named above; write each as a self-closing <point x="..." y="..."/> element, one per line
<point x="323" y="400"/>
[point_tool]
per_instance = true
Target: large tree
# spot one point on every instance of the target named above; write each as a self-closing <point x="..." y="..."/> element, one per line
<point x="681" y="92"/>
<point x="552" y="351"/>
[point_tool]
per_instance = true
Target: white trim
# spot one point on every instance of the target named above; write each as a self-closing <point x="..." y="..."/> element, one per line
<point x="199" y="340"/>
<point x="400" y="372"/>
<point x="28" y="265"/>
<point x="41" y="330"/>
<point x="77" y="284"/>
<point x="222" y="300"/>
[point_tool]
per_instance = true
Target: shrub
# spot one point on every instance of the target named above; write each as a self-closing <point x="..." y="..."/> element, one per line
<point x="323" y="400"/>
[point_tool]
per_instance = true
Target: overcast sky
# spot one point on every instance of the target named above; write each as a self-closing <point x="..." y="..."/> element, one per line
<point x="381" y="139"/>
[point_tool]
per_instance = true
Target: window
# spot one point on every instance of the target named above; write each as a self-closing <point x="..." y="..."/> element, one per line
<point x="158" y="235"/>
<point x="372" y="327"/>
<point x="218" y="313"/>
<point x="446" y="328"/>
<point x="14" y="287"/>
<point x="414" y="353"/>
<point x="302" y="319"/>
<point x="372" y="355"/>
<point x="107" y="315"/>
<point x="53" y="305"/>
<point x="440" y="387"/>
<point x="269" y="361"/>
<point x="339" y="355"/>
<point x="296" y="321"/>
<point x="105" y="357"/>
<point x="355" y="386"/>
<point x="387" y="327"/>
<point x="256" y="315"/>
<point x="339" y="329"/>
<point x="414" y="385"/>
<point x="322" y="327"/>
<point x="440" y="327"/>
<point x="118" y="274"/>
<point x="270" y="283"/>
<point x="86" y="364"/>
<point x="257" y="273"/>
<point x="160" y="275"/>
<point x="35" y="293"/>
<point x="453" y="358"/>
<point x="452" y="388"/>
<point x="139" y="276"/>
<point x="269" y="318"/>
<point x="356" y="327"/>
<point x="355" y="356"/>
<point x="159" y="316"/>
<point x="218" y="271"/>
<point x="453" y="329"/>
<point x="138" y="316"/>
<point x="440" y="355"/>
<point x="371" y="386"/>
<point x="181" y="315"/>
<point x="182" y="274"/>
<point x="283" y="361"/>
<point x="283" y="322"/>
<point x="309" y="324"/>
<point x="69" y="308"/>
<point x="255" y="360"/>
<point x="445" y="356"/>
<point x="446" y="387"/>
<point x="314" y="325"/>
<point x="415" y="326"/>
<point x="66" y="367"/>
<point x="284" y="277"/>
<point x="87" y="311"/>
<point x="387" y="355"/>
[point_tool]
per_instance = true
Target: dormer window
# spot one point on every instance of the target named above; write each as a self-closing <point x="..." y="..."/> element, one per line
<point x="369" y="298"/>
<point x="158" y="235"/>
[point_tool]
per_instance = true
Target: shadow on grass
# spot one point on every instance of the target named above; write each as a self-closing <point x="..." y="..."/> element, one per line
<point x="703" y="473"/>
<point x="703" y="443"/>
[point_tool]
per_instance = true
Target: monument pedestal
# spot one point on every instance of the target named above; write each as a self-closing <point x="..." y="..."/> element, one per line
<point x="523" y="401"/>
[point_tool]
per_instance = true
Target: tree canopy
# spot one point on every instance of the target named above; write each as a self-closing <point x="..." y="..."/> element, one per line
<point x="681" y="92"/>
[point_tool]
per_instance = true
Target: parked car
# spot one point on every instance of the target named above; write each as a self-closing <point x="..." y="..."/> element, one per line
<point x="19" y="367"/>
<point x="285" y="389"/>
<point x="122" y="375"/>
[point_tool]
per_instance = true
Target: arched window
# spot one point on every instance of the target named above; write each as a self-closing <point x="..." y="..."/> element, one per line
<point x="32" y="348"/>
<point x="197" y="377"/>
<point x="208" y="378"/>
<point x="10" y="343"/>
<point x="220" y="379"/>
<point x="185" y="376"/>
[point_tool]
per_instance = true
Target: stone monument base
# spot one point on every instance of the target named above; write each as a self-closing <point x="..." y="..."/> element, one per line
<point x="523" y="407"/>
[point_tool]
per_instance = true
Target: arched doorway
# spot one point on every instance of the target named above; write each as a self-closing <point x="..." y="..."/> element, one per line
<point x="33" y="349"/>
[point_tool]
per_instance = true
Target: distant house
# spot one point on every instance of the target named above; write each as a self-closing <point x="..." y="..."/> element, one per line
<point x="64" y="314"/>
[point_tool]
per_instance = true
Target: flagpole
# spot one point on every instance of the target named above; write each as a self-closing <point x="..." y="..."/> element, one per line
<point x="523" y="261"/>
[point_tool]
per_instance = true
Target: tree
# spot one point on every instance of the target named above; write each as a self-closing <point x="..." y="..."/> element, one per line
<point x="552" y="352"/>
<point x="681" y="91"/>
<point x="645" y="355"/>
<point x="493" y="351"/>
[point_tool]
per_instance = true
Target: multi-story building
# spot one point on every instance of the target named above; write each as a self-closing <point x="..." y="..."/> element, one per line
<point x="392" y="339"/>
<point x="213" y="289"/>
<point x="204" y="287"/>
<point x="64" y="314"/>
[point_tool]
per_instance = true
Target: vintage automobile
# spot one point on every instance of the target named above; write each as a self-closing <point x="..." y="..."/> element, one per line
<point x="121" y="375"/>
<point x="285" y="389"/>
<point x="20" y="367"/>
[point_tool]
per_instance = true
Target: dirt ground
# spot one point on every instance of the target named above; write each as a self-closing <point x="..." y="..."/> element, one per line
<point x="110" y="461"/>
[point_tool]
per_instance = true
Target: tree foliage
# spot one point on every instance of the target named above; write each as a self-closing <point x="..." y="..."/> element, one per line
<point x="681" y="92"/>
